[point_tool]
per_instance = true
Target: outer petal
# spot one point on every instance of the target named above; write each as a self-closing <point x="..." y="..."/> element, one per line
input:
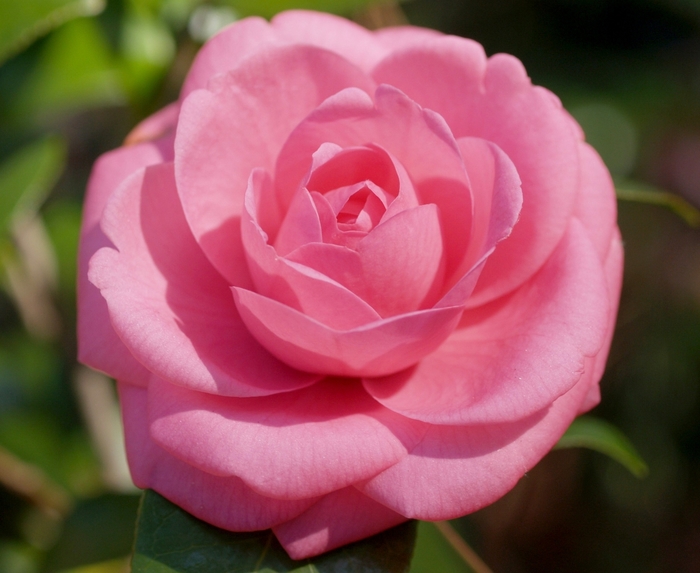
<point x="224" y="134"/>
<point x="338" y="35"/>
<point x="376" y="349"/>
<point x="98" y="344"/>
<point x="222" y="501"/>
<point x="169" y="306"/>
<point x="289" y="446"/>
<point x="456" y="470"/>
<point x="338" y="518"/>
<point x="226" y="50"/>
<point x="508" y="362"/>
<point x="596" y="206"/>
<point x="495" y="101"/>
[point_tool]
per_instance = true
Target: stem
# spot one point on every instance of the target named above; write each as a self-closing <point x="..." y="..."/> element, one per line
<point x="462" y="547"/>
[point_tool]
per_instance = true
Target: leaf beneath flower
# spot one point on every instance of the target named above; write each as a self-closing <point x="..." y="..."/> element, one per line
<point x="599" y="435"/>
<point x="169" y="540"/>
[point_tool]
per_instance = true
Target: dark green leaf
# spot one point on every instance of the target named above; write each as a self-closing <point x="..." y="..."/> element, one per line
<point x="23" y="22"/>
<point x="169" y="540"/>
<point x="599" y="435"/>
<point x="98" y="530"/>
<point x="28" y="175"/>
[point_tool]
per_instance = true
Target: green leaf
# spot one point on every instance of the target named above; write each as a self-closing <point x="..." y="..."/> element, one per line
<point x="169" y="540"/>
<point x="23" y="22"/>
<point x="27" y="176"/>
<point x="642" y="193"/>
<point x="268" y="8"/>
<point x="599" y="435"/>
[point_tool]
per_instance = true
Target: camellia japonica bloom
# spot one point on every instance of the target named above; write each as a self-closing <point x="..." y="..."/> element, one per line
<point x="349" y="278"/>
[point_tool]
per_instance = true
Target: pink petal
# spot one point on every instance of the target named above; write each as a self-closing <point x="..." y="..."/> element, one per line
<point x="301" y="224"/>
<point x="224" y="134"/>
<point x="402" y="261"/>
<point x="497" y="198"/>
<point x="288" y="446"/>
<point x="596" y="206"/>
<point x="419" y="139"/>
<point x="226" y="50"/>
<point x="376" y="349"/>
<point x="515" y="358"/>
<point x="614" y="265"/>
<point x="98" y="344"/>
<point x="170" y="307"/>
<point x="225" y="502"/>
<point x="495" y="101"/>
<point x="338" y="35"/>
<point x="293" y="284"/>
<point x="456" y="470"/>
<point x="338" y="518"/>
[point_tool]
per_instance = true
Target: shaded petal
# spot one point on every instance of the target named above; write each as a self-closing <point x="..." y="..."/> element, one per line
<point x="494" y="100"/>
<point x="226" y="50"/>
<point x="225" y="502"/>
<point x="338" y="35"/>
<point x="376" y="349"/>
<point x="293" y="284"/>
<point x="288" y="446"/>
<point x="224" y="134"/>
<point x="98" y="344"/>
<point x="169" y="306"/>
<point x="515" y="358"/>
<point x="456" y="470"/>
<point x="338" y="518"/>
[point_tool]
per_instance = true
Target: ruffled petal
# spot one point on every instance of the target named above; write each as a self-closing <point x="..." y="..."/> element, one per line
<point x="241" y="125"/>
<point x="338" y="518"/>
<point x="494" y="100"/>
<point x="456" y="470"/>
<point x="289" y="446"/>
<point x="170" y="307"/>
<point x="332" y="33"/>
<point x="225" y="502"/>
<point x="514" y="359"/>
<point x="98" y="344"/>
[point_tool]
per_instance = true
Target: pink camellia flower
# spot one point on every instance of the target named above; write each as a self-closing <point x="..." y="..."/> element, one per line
<point x="347" y="279"/>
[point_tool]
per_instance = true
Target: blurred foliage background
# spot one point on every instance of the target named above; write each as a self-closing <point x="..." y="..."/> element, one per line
<point x="77" y="75"/>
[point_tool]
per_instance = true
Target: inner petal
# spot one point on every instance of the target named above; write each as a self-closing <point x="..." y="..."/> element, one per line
<point x="354" y="165"/>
